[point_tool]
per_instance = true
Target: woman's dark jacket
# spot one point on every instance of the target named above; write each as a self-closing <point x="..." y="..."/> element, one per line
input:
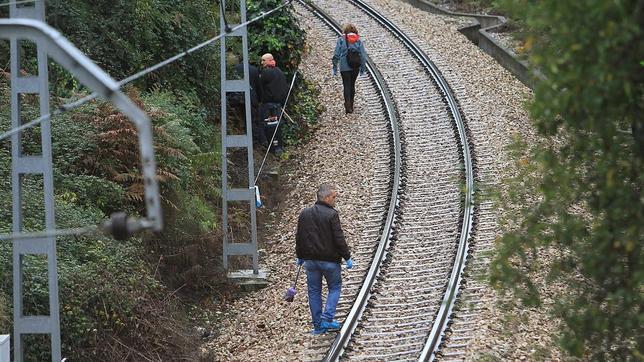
<point x="319" y="235"/>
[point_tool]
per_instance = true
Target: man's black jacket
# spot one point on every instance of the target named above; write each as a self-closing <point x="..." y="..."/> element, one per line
<point x="255" y="86"/>
<point x="319" y="235"/>
<point x="274" y="86"/>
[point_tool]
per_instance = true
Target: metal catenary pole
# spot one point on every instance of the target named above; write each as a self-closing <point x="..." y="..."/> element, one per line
<point x="25" y="166"/>
<point x="237" y="141"/>
<point x="23" y="27"/>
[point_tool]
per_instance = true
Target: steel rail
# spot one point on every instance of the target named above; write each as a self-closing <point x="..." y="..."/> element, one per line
<point x="435" y="336"/>
<point x="360" y="303"/>
<point x="442" y="318"/>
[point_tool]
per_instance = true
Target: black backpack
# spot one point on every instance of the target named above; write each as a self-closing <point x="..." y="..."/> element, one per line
<point x="353" y="55"/>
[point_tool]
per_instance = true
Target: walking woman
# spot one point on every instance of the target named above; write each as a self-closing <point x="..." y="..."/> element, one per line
<point x="350" y="55"/>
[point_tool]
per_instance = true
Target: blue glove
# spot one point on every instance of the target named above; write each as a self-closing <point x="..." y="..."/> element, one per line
<point x="299" y="261"/>
<point x="335" y="72"/>
<point x="349" y="263"/>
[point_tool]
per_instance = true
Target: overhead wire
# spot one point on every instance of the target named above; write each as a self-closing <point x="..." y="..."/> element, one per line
<point x="17" y="2"/>
<point x="75" y="104"/>
<point x="61" y="109"/>
<point x="49" y="233"/>
<point x="135" y="76"/>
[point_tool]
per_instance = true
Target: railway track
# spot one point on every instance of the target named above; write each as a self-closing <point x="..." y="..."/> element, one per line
<point x="375" y="99"/>
<point x="406" y="296"/>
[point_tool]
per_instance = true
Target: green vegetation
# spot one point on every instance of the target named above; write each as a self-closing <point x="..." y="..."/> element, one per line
<point x="124" y="37"/>
<point x="304" y="104"/>
<point x="276" y="35"/>
<point x="109" y="296"/>
<point x="118" y="299"/>
<point x="585" y="178"/>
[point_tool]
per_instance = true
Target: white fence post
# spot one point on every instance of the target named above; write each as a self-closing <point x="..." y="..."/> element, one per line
<point x="4" y="347"/>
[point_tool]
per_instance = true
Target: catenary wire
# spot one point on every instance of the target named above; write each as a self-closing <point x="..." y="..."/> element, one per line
<point x="62" y="109"/>
<point x="49" y="233"/>
<point x="17" y="2"/>
<point x="78" y="103"/>
<point x="72" y="105"/>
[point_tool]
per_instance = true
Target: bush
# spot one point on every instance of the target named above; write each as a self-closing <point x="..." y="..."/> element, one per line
<point x="125" y="36"/>
<point x="109" y="298"/>
<point x="589" y="175"/>
<point x="111" y="302"/>
<point x="91" y="191"/>
<point x="5" y="313"/>
<point x="305" y="109"/>
<point x="278" y="34"/>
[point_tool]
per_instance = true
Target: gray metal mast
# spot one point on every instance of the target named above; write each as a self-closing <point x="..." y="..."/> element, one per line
<point x="240" y="141"/>
<point x="30" y="165"/>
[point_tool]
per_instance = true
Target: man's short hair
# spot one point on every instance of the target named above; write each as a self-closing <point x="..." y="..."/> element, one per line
<point x="325" y="190"/>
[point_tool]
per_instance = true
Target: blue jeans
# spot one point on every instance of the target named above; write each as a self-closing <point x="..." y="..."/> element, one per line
<point x="315" y="270"/>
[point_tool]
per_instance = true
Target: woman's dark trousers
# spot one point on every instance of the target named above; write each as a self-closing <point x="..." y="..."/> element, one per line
<point x="349" y="83"/>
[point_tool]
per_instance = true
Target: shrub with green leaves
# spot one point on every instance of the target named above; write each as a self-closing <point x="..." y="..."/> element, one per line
<point x="278" y="34"/>
<point x="126" y="36"/>
<point x="306" y="109"/>
<point x="110" y="300"/>
<point x="5" y="316"/>
<point x="587" y="175"/>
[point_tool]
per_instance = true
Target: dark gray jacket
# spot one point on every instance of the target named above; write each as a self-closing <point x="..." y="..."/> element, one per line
<point x="319" y="235"/>
<point x="274" y="86"/>
<point x="255" y="86"/>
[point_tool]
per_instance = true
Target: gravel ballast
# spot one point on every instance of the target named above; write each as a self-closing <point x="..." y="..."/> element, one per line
<point x="260" y="326"/>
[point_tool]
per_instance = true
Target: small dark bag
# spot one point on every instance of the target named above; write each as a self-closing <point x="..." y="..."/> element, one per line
<point x="353" y="55"/>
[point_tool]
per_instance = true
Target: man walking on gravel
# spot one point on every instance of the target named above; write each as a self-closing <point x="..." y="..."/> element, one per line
<point x="320" y="245"/>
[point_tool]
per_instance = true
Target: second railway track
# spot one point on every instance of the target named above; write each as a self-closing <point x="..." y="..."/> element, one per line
<point x="405" y="301"/>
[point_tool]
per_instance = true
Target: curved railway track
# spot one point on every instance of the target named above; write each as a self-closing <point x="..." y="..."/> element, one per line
<point x="407" y="295"/>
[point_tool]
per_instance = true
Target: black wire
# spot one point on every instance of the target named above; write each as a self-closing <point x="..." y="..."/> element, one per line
<point x="227" y="28"/>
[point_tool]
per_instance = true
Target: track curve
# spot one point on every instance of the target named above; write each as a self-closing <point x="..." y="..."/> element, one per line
<point x="384" y="294"/>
